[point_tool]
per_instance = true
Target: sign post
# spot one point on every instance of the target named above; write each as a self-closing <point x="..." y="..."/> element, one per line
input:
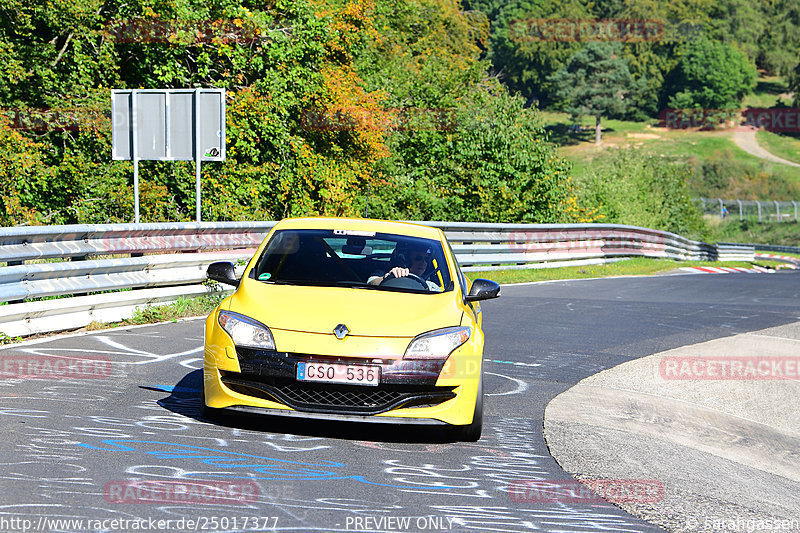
<point x="168" y="125"/>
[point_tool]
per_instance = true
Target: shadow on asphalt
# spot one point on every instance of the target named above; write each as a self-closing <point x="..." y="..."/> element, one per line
<point x="184" y="399"/>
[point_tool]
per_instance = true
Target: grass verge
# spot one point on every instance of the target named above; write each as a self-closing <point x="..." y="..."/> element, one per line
<point x="785" y="145"/>
<point x="637" y="266"/>
<point x="180" y="308"/>
<point x="778" y="233"/>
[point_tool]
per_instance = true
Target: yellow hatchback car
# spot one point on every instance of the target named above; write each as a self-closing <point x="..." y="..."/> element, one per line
<point x="350" y="319"/>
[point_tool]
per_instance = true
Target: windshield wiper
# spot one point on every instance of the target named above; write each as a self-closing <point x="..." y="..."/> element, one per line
<point x="322" y="283"/>
<point x="356" y="284"/>
<point x="300" y="282"/>
<point x="343" y="283"/>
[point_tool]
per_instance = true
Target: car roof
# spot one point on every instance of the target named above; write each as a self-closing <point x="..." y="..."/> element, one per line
<point x="360" y="224"/>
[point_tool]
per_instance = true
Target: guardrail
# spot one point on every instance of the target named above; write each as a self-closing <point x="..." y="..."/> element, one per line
<point x="77" y="265"/>
<point x="768" y="247"/>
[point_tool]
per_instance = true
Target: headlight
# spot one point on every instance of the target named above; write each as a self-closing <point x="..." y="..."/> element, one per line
<point x="245" y="331"/>
<point x="437" y="344"/>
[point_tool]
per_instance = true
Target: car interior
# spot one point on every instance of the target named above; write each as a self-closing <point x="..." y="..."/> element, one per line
<point x="321" y="257"/>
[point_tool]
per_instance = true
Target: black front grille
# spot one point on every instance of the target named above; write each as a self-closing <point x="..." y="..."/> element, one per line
<point x="263" y="364"/>
<point x="332" y="398"/>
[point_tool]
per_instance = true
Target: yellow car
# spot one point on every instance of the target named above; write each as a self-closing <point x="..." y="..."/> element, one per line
<point x="349" y="319"/>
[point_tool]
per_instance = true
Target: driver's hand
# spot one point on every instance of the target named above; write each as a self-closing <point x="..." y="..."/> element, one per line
<point x="398" y="272"/>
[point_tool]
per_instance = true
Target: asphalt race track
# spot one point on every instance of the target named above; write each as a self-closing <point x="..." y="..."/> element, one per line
<point x="81" y="454"/>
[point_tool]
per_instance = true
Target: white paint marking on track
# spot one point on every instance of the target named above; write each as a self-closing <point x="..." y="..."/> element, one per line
<point x="111" y="331"/>
<point x="521" y="385"/>
<point x="153" y="358"/>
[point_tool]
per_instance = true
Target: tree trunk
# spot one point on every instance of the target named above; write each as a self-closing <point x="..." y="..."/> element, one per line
<point x="597" y="130"/>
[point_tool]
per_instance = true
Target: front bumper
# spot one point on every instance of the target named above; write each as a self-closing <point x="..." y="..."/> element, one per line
<point x="411" y="391"/>
<point x="248" y="409"/>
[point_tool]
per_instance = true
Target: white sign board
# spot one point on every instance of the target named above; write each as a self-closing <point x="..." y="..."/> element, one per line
<point x="168" y="125"/>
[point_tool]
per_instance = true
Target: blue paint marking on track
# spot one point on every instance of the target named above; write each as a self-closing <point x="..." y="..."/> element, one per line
<point x="164" y="388"/>
<point x="170" y="388"/>
<point x="269" y="468"/>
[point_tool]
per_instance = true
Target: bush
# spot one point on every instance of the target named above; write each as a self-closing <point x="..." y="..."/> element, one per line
<point x="723" y="176"/>
<point x="23" y="173"/>
<point x="628" y="187"/>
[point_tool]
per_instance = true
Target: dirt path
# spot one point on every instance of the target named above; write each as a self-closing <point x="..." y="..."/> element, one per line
<point x="746" y="140"/>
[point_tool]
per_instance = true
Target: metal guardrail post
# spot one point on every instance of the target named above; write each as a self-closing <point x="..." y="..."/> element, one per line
<point x="777" y="210"/>
<point x="795" y="210"/>
<point x="759" y="210"/>
<point x="721" y="208"/>
<point x="741" y="214"/>
<point x="16" y="263"/>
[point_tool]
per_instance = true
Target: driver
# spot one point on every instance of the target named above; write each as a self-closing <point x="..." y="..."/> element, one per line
<point x="417" y="263"/>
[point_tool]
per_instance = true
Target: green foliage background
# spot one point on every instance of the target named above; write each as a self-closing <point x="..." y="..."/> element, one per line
<point x="335" y="107"/>
<point x="766" y="32"/>
<point x="412" y="109"/>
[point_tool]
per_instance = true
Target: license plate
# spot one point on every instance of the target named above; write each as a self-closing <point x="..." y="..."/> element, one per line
<point x="339" y="373"/>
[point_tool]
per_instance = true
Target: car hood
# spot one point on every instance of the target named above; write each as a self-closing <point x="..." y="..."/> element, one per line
<point x="365" y="312"/>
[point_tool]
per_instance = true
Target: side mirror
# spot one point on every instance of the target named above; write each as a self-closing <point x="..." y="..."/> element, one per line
<point x="222" y="272"/>
<point x="482" y="289"/>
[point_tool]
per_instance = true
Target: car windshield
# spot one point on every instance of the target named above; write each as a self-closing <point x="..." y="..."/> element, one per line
<point x="343" y="258"/>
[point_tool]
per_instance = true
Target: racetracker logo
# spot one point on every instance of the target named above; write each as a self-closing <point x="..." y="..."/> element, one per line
<point x="586" y="491"/>
<point x="584" y="30"/>
<point x="196" y="492"/>
<point x="729" y="368"/>
<point x="582" y="240"/>
<point x="778" y="119"/>
<point x="43" y="367"/>
<point x="46" y="119"/>
<point x="773" y="119"/>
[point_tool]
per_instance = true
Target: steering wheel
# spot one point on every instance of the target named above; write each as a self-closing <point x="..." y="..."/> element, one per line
<point x="406" y="282"/>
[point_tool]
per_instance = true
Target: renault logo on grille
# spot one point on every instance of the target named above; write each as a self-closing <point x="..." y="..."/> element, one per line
<point x="341" y="331"/>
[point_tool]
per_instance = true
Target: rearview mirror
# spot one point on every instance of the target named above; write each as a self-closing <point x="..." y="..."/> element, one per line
<point x="482" y="289"/>
<point x="222" y="272"/>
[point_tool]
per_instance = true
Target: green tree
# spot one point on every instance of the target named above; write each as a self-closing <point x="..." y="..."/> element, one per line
<point x="710" y="75"/>
<point x="739" y="21"/>
<point x="495" y="165"/>
<point x="654" y="58"/>
<point x="768" y="31"/>
<point x="279" y="63"/>
<point x="597" y="82"/>
<point x="780" y="40"/>
<point x="794" y="84"/>
<point x="467" y="150"/>
<point x="520" y="58"/>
